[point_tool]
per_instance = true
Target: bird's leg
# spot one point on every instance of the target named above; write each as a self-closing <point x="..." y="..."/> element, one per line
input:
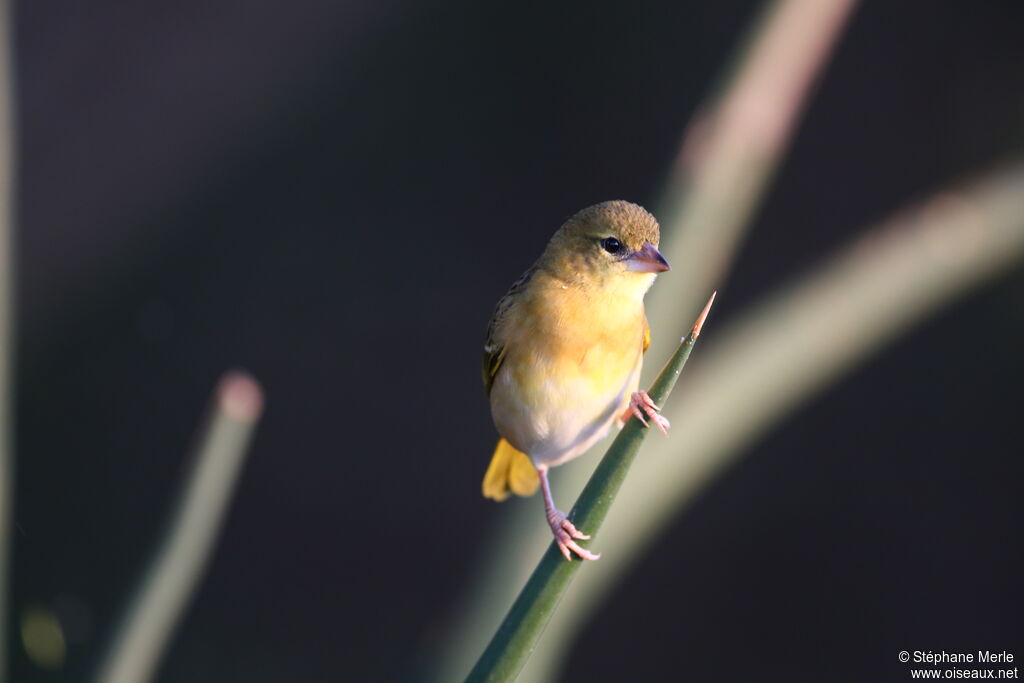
<point x="561" y="527"/>
<point x="640" y="403"/>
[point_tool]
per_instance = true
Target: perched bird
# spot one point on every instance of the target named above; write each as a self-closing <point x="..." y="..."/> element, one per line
<point x="563" y="352"/>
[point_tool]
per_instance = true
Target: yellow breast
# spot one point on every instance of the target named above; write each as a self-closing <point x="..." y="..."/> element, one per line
<point x="573" y="358"/>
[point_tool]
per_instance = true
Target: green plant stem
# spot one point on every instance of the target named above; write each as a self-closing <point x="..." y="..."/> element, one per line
<point x="511" y="646"/>
<point x="7" y="336"/>
<point x="733" y="146"/>
<point x="178" y="565"/>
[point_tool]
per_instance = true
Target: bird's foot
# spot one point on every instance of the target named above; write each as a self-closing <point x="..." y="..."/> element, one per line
<point x="565" y="532"/>
<point x="640" y="403"/>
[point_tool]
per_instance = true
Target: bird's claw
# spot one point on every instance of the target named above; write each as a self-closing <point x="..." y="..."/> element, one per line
<point x="564" y="532"/>
<point x="640" y="404"/>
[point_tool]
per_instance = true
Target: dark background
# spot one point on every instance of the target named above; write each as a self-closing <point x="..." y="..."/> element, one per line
<point x="334" y="194"/>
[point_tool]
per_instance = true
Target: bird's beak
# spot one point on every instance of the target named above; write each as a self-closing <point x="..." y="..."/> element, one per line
<point x="647" y="260"/>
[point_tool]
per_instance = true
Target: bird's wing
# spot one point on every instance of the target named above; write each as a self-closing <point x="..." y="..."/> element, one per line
<point x="494" y="348"/>
<point x="647" y="333"/>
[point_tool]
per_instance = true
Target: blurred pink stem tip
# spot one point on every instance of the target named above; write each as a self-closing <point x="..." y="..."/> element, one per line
<point x="240" y="396"/>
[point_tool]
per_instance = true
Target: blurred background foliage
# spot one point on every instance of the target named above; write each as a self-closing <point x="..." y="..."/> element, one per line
<point x="334" y="195"/>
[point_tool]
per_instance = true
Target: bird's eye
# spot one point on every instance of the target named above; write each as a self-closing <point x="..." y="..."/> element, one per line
<point x="611" y="245"/>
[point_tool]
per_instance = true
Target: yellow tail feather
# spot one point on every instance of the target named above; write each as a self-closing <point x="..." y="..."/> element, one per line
<point x="509" y="470"/>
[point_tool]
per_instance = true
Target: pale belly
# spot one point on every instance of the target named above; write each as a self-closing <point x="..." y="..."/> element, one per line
<point x="554" y="414"/>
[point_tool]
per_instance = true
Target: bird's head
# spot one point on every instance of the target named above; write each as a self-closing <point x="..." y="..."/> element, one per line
<point x="611" y="245"/>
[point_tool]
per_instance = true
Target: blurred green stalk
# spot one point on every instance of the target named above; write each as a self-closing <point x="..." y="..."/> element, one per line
<point x="168" y="585"/>
<point x="7" y="336"/>
<point x="732" y="148"/>
<point x="517" y="636"/>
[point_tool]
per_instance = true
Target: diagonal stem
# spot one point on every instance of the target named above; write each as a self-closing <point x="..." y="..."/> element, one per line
<point x="177" y="567"/>
<point x="518" y="634"/>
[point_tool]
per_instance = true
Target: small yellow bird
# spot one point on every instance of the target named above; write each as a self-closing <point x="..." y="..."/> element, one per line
<point x="563" y="352"/>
